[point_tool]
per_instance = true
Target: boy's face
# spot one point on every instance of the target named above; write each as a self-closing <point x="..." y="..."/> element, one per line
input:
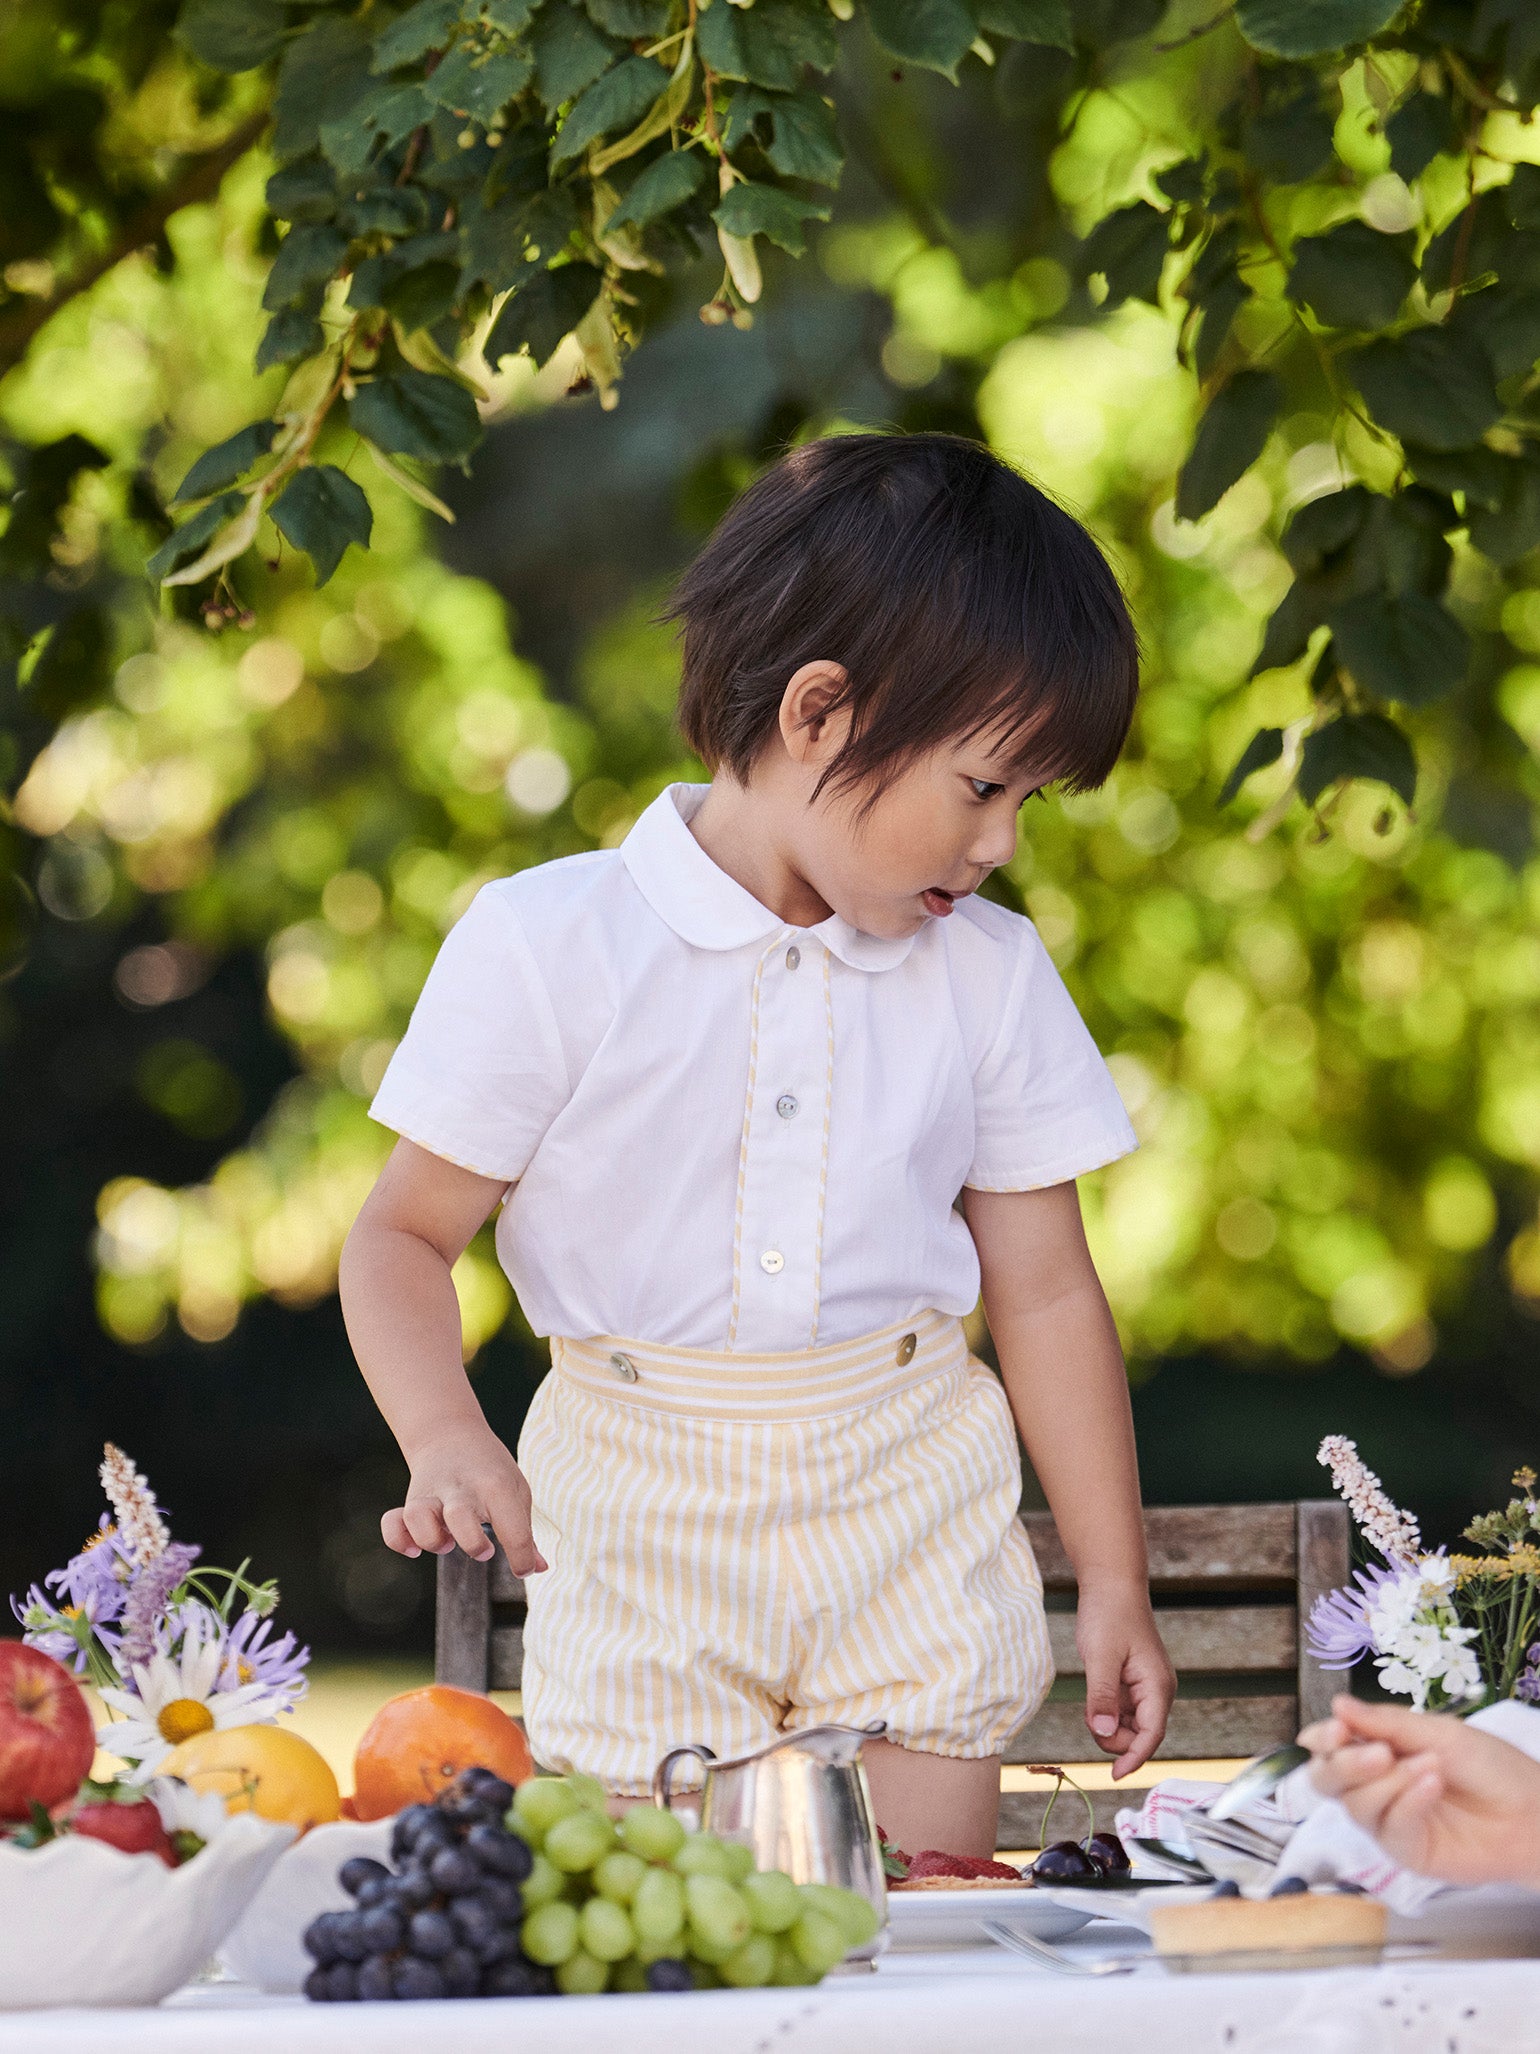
<point x="931" y="838"/>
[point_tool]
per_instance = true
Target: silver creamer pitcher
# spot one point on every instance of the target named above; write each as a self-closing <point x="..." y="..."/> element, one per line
<point x="801" y="1804"/>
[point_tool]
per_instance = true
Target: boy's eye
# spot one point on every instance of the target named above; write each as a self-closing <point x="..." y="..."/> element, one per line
<point x="983" y="789"/>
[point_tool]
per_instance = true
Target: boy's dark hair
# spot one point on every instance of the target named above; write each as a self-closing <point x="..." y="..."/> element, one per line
<point x="957" y="597"/>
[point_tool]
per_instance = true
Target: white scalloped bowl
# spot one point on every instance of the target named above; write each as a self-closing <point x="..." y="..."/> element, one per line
<point x="263" y="1948"/>
<point x="85" y="1923"/>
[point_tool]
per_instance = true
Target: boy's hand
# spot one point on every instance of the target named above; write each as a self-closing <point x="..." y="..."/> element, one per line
<point x="456" y="1484"/>
<point x="1442" y="1798"/>
<point x="1129" y="1681"/>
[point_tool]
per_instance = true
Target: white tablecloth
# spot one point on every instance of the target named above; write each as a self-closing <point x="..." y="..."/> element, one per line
<point x="971" y="2001"/>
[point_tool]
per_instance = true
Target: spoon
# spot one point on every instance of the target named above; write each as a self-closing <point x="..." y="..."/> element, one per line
<point x="1050" y="1957"/>
<point x="1257" y="1779"/>
<point x="1170" y="1857"/>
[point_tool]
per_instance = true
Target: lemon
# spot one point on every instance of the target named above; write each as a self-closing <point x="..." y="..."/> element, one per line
<point x="261" y="1769"/>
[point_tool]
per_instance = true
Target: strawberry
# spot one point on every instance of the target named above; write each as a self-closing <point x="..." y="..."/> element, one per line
<point x="134" y="1826"/>
<point x="932" y="1862"/>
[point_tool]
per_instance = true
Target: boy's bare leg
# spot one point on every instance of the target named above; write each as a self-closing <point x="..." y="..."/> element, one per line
<point x="933" y="1800"/>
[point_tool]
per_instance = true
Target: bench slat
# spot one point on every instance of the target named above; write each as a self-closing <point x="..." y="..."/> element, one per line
<point x="1021" y="1814"/>
<point x="1199" y="1728"/>
<point x="1230" y="1640"/>
<point x="506" y="1666"/>
<point x="1235" y="1546"/>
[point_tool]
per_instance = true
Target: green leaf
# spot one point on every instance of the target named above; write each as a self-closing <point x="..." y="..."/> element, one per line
<point x="1184" y="182"/>
<point x="231" y="35"/>
<point x="1522" y="196"/>
<point x="1265" y="747"/>
<point x="1046" y="22"/>
<point x="804" y="140"/>
<point x="1506" y="324"/>
<point x="1357" y="745"/>
<point x="1401" y="646"/>
<point x="1352" y="277"/>
<point x="1477" y="472"/>
<point x="479" y="83"/>
<point x="1296" y="617"/>
<point x="540" y="315"/>
<point x="512" y="17"/>
<point x="1231" y="436"/>
<point x="182" y="546"/>
<point x="769" y="43"/>
<point x="1101" y="23"/>
<point x="226" y="461"/>
<point x="935" y="33"/>
<point x="321" y="511"/>
<point x="750" y="209"/>
<point x="308" y="258"/>
<point x="303" y="191"/>
<point x="288" y="337"/>
<point x="1322" y="526"/>
<point x="569" y="53"/>
<point x="1292" y="141"/>
<point x="1219" y="307"/>
<point x="666" y="183"/>
<point x="1312" y="28"/>
<point x="1513" y="528"/>
<point x="412" y="413"/>
<point x="1129" y="249"/>
<point x="616" y="101"/>
<point x="1421" y="129"/>
<point x="382" y="115"/>
<point x="323" y="72"/>
<point x="387" y="210"/>
<point x="427" y="26"/>
<point x="630" y="19"/>
<point x="1431" y="386"/>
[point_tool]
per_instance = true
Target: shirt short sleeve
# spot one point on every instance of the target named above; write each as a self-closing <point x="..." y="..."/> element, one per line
<point x="480" y="1074"/>
<point x="1045" y="1106"/>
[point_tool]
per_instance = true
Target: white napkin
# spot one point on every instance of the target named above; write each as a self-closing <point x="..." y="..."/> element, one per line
<point x="1326" y="1845"/>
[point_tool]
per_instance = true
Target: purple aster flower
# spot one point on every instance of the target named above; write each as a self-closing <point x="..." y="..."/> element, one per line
<point x="1337" y="1632"/>
<point x="1527" y="1684"/>
<point x="251" y="1658"/>
<point x="147" y="1599"/>
<point x="99" y="1574"/>
<point x="63" y="1631"/>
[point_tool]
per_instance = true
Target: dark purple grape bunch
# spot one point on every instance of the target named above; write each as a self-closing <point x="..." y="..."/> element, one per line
<point x="444" y="1920"/>
<point x="1081" y="1861"/>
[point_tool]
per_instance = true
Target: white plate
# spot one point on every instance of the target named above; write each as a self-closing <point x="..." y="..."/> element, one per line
<point x="955" y="1918"/>
<point x="264" y="1948"/>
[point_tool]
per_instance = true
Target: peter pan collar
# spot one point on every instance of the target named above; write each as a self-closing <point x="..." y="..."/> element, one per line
<point x="711" y="910"/>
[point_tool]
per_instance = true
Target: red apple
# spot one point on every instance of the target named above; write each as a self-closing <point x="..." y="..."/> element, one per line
<point x="133" y="1825"/>
<point x="46" y="1737"/>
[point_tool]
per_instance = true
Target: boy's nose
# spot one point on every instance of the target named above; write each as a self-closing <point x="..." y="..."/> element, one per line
<point x="995" y="846"/>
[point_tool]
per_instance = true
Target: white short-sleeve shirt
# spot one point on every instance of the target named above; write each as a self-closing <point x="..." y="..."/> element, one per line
<point x="725" y="1132"/>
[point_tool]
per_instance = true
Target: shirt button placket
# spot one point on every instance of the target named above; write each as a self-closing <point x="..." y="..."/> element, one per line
<point x="783" y="1164"/>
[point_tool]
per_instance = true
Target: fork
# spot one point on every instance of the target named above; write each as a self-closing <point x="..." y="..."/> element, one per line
<point x="1052" y="1957"/>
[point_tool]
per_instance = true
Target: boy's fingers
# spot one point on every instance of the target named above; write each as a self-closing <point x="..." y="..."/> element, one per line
<point x="463" y="1519"/>
<point x="1149" y="1727"/>
<point x="509" y="1514"/>
<point x="425" y="1523"/>
<point x="394" y="1533"/>
<point x="1104" y="1703"/>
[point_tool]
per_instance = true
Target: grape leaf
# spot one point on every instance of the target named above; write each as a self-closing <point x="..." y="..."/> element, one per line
<point x="225" y="462"/>
<point x="1357" y="745"/>
<point x="666" y="183"/>
<point x="540" y="315"/>
<point x="1432" y="386"/>
<point x="569" y="53"/>
<point x="308" y="258"/>
<point x="616" y="101"/>
<point x="1353" y="277"/>
<point x="323" y="73"/>
<point x="629" y="19"/>
<point x="1128" y="248"/>
<point x="288" y="337"/>
<point x="935" y="33"/>
<point x="769" y="43"/>
<point x="231" y="35"/>
<point x="1311" y="28"/>
<point x="427" y="26"/>
<point x="1512" y="528"/>
<point x="1230" y="438"/>
<point x="412" y="413"/>
<point x="1401" y="646"/>
<point x="186" y="542"/>
<point x="804" y="141"/>
<point x="1044" y="22"/>
<point x="1421" y="129"/>
<point x="479" y="83"/>
<point x="750" y="209"/>
<point x="321" y="511"/>
<point x="1265" y="747"/>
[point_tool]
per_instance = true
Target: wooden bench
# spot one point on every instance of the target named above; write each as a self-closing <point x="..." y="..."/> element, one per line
<point x="1231" y="1585"/>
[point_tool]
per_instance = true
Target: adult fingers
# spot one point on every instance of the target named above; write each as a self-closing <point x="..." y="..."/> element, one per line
<point x="393" y="1530"/>
<point x="1372" y="1802"/>
<point x="462" y="1516"/>
<point x="425" y="1523"/>
<point x="508" y="1510"/>
<point x="1402" y="1729"/>
<point x="1324" y="1737"/>
<point x="1351" y="1767"/>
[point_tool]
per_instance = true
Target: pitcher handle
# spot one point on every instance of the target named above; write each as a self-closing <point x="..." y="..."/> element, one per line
<point x="662" y="1782"/>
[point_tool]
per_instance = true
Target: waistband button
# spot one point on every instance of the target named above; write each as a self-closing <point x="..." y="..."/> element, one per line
<point x="906" y="1348"/>
<point x="624" y="1368"/>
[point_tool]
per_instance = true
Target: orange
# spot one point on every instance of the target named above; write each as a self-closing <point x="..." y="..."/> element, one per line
<point x="420" y="1742"/>
<point x="261" y="1769"/>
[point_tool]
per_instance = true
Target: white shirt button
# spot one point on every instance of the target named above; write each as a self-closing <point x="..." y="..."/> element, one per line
<point x="793" y="958"/>
<point x="623" y="1367"/>
<point x="786" y="1106"/>
<point x="772" y="1262"/>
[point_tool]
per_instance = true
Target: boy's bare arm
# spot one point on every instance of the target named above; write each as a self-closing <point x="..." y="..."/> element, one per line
<point x="1064" y="1376"/>
<point x="403" y="1319"/>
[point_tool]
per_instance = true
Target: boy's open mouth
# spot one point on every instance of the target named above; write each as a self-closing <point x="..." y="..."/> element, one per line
<point x="937" y="901"/>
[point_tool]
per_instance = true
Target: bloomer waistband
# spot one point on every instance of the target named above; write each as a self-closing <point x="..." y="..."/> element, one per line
<point x="813" y="1383"/>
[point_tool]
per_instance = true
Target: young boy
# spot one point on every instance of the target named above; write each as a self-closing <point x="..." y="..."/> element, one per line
<point x="764" y="1095"/>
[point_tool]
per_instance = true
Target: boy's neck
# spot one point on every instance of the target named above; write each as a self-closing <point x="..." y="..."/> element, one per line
<point x="742" y="828"/>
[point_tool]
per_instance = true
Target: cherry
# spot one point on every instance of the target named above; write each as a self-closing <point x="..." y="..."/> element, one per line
<point x="1064" y="1861"/>
<point x="1106" y="1851"/>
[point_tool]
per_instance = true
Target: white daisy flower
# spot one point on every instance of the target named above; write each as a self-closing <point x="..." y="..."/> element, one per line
<point x="177" y="1695"/>
<point x="185" y="1810"/>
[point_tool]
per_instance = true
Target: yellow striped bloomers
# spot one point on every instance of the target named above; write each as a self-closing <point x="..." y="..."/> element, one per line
<point x="742" y="1544"/>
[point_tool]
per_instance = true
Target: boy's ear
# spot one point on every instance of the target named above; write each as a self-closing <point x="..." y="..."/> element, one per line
<point x="813" y="734"/>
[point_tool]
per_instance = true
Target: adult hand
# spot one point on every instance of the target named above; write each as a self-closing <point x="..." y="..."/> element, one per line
<point x="457" y="1484"/>
<point x="1441" y="1797"/>
<point x="1129" y="1681"/>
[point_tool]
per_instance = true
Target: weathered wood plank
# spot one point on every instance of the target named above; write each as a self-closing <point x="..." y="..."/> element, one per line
<point x="1230" y="1639"/>
<point x="1239" y="1546"/>
<point x="1021" y="1815"/>
<point x="1325" y="1561"/>
<point x="1199" y="1727"/>
<point x="506" y="1663"/>
<point x="506" y="1587"/>
<point x="462" y="1622"/>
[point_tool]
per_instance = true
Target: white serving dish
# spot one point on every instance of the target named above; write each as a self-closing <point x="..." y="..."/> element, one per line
<point x="84" y="1923"/>
<point x="263" y="1948"/>
<point x="955" y="1918"/>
